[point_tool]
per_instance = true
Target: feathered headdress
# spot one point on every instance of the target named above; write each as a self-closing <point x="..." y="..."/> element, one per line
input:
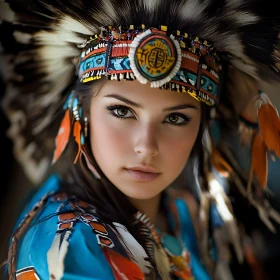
<point x="48" y="45"/>
<point x="46" y="38"/>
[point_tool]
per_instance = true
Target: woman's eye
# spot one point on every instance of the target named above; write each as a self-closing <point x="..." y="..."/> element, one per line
<point x="177" y="119"/>
<point x="120" y="111"/>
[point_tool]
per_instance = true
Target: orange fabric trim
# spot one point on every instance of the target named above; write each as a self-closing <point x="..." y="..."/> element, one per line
<point x="29" y="274"/>
<point x="99" y="227"/>
<point x="94" y="52"/>
<point x="66" y="216"/>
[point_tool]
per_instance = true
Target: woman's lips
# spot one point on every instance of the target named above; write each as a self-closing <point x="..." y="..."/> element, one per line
<point x="142" y="176"/>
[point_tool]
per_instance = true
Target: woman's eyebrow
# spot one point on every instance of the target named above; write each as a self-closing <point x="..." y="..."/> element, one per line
<point x="173" y="108"/>
<point x="182" y="106"/>
<point x="121" y="98"/>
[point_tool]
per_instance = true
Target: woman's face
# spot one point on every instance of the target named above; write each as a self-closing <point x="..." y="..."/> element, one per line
<point x="142" y="137"/>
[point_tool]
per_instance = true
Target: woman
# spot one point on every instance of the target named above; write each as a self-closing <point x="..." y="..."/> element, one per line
<point x="134" y="124"/>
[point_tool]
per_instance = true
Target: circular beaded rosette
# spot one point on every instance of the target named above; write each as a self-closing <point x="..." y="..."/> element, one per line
<point x="155" y="57"/>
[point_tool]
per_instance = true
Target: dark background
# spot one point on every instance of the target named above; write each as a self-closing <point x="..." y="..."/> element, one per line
<point x="15" y="187"/>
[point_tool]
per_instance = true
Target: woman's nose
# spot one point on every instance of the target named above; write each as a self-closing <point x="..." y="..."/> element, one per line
<point x="146" y="143"/>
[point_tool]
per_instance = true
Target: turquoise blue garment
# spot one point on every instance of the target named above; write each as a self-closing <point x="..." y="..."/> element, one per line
<point x="84" y="259"/>
<point x="67" y="240"/>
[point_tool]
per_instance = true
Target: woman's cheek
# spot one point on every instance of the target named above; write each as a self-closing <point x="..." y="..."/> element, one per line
<point x="109" y="140"/>
<point x="178" y="149"/>
<point x="117" y="136"/>
<point x="179" y="155"/>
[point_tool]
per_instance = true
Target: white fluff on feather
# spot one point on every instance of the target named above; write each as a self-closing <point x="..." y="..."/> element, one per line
<point x="193" y="10"/>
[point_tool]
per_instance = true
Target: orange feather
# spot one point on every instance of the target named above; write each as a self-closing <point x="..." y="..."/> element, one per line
<point x="62" y="137"/>
<point x="122" y="267"/>
<point x="269" y="123"/>
<point x="259" y="160"/>
<point x="221" y="165"/>
<point x="218" y="161"/>
<point x="77" y="136"/>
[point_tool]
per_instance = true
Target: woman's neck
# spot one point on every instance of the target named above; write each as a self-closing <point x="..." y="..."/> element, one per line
<point x="150" y="207"/>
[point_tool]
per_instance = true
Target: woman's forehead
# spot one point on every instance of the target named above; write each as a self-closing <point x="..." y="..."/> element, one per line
<point x="144" y="94"/>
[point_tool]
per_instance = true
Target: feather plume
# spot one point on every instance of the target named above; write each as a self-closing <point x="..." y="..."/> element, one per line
<point x="162" y="262"/>
<point x="57" y="253"/>
<point x="222" y="166"/>
<point x="135" y="252"/>
<point x="123" y="269"/>
<point x="77" y="136"/>
<point x="259" y="160"/>
<point x="269" y="123"/>
<point x="265" y="210"/>
<point x="62" y="137"/>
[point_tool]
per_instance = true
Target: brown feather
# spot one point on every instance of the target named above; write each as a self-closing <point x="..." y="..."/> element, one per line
<point x="259" y="160"/>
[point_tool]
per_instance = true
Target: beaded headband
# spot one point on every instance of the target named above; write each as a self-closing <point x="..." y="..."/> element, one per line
<point x="177" y="62"/>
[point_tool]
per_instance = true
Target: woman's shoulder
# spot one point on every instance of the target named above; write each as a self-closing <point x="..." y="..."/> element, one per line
<point x="62" y="237"/>
<point x="59" y="236"/>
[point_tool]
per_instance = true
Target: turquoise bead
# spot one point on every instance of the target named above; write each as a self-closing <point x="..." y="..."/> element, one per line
<point x="172" y="245"/>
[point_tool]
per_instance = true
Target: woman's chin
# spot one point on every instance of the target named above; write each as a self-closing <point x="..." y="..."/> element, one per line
<point x="140" y="192"/>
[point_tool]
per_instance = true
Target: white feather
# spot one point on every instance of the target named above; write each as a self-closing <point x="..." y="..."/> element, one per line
<point x="5" y="12"/>
<point x="108" y="14"/>
<point x="233" y="45"/>
<point x="138" y="253"/>
<point x="162" y="263"/>
<point x="57" y="38"/>
<point x="151" y="5"/>
<point x="244" y="18"/>
<point x="34" y="170"/>
<point x="248" y="68"/>
<point x="53" y="53"/>
<point x="234" y="3"/>
<point x="193" y="10"/>
<point x="72" y="25"/>
<point x="23" y="38"/>
<point x="56" y="256"/>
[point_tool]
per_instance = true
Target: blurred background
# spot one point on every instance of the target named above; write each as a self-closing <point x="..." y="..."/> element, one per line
<point x="15" y="187"/>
